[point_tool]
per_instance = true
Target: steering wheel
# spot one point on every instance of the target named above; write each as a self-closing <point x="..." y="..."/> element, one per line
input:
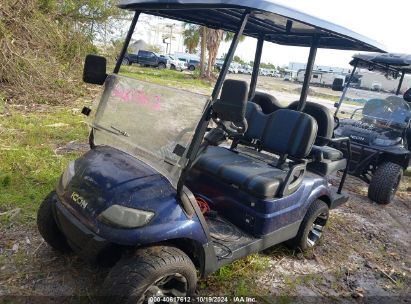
<point x="336" y="122"/>
<point x="232" y="128"/>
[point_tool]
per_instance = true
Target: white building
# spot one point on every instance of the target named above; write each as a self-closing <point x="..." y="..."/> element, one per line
<point x="296" y="66"/>
<point x="389" y="85"/>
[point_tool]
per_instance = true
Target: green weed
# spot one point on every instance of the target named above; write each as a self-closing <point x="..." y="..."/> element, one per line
<point x="30" y="167"/>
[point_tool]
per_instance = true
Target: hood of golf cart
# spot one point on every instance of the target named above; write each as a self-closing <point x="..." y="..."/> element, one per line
<point x="105" y="176"/>
<point x="368" y="133"/>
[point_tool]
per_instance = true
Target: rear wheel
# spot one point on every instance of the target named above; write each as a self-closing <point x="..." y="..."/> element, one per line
<point x="385" y="182"/>
<point x="126" y="61"/>
<point x="172" y="67"/>
<point x="47" y="226"/>
<point x="312" y="227"/>
<point x="191" y="68"/>
<point x="159" y="271"/>
<point x="161" y="66"/>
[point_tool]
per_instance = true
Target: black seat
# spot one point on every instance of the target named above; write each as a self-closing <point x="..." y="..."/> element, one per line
<point x="407" y="95"/>
<point x="240" y="171"/>
<point x="256" y="121"/>
<point x="323" y="117"/>
<point x="326" y="160"/>
<point x="267" y="102"/>
<point x="285" y="133"/>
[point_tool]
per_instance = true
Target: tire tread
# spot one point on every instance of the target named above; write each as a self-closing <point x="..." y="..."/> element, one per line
<point x="382" y="182"/>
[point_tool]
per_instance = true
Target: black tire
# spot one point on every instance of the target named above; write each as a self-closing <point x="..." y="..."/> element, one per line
<point x="134" y="279"/>
<point x="385" y="182"/>
<point x="126" y="62"/>
<point x="173" y="67"/>
<point x="47" y="226"/>
<point x="161" y="66"/>
<point x="191" y="68"/>
<point x="311" y="228"/>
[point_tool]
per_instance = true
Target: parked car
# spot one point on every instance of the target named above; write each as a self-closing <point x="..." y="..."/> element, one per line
<point x="233" y="68"/>
<point x="219" y="64"/>
<point x="193" y="64"/>
<point x="146" y="58"/>
<point x="272" y="73"/>
<point x="376" y="86"/>
<point x="175" y="63"/>
<point x="264" y="72"/>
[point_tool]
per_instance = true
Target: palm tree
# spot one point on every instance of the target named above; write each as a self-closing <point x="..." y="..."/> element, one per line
<point x="214" y="38"/>
<point x="204" y="32"/>
<point x="191" y="35"/>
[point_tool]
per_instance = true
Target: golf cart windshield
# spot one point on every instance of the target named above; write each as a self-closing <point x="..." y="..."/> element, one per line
<point x="375" y="109"/>
<point x="151" y="122"/>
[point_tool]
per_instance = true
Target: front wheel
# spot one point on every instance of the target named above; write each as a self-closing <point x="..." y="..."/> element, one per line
<point x="161" y="66"/>
<point x="385" y="182"/>
<point x="47" y="226"/>
<point x="159" y="271"/>
<point x="312" y="227"/>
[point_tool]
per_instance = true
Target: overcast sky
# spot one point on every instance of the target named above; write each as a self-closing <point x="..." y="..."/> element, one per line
<point x="388" y="22"/>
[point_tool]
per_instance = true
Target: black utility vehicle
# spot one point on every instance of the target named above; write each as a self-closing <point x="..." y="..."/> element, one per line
<point x="146" y="58"/>
<point x="380" y="130"/>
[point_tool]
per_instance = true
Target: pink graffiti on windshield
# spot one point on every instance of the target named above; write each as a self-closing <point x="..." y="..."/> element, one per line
<point x="137" y="96"/>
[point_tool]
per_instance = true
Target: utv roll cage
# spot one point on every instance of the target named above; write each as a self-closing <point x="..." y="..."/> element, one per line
<point x="391" y="64"/>
<point x="264" y="20"/>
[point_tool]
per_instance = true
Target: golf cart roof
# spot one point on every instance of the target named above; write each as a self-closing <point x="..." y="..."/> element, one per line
<point x="392" y="62"/>
<point x="277" y="23"/>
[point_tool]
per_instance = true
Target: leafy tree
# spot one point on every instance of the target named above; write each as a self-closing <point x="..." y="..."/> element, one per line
<point x="154" y="48"/>
<point x="191" y="35"/>
<point x="239" y="59"/>
<point x="92" y="18"/>
<point x="267" y="66"/>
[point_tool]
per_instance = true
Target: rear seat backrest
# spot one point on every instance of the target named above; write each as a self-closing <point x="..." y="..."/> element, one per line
<point x="267" y="102"/>
<point x="289" y="132"/>
<point x="323" y="117"/>
<point x="256" y="120"/>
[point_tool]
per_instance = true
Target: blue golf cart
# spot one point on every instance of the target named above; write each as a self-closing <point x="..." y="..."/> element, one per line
<point x="178" y="184"/>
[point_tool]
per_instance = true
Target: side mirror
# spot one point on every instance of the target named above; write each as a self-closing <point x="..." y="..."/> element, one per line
<point x="95" y="68"/>
<point x="338" y="84"/>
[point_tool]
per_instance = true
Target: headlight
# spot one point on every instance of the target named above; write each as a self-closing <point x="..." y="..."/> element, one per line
<point x="124" y="217"/>
<point x="68" y="174"/>
<point x="385" y="142"/>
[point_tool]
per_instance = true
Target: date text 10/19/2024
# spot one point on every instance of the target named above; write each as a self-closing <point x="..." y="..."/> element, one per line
<point x="202" y="299"/>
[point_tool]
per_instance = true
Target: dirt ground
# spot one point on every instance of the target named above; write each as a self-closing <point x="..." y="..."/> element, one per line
<point x="365" y="253"/>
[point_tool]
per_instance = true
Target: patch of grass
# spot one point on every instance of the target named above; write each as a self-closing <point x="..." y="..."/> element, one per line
<point x="29" y="166"/>
<point x="399" y="284"/>
<point x="167" y="78"/>
<point x="3" y="260"/>
<point x="2" y="102"/>
<point x="239" y="277"/>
